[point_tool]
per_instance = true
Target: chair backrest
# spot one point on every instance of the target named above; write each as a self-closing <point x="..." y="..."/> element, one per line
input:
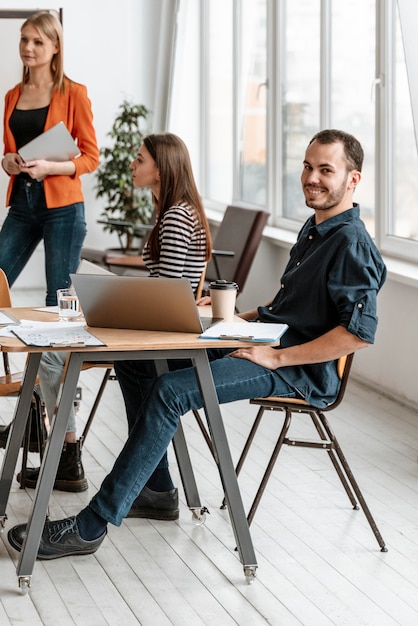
<point x="240" y="232"/>
<point x="5" y="303"/>
<point x="199" y="289"/>
<point x="5" y="299"/>
<point x="296" y="404"/>
<point x="343" y="368"/>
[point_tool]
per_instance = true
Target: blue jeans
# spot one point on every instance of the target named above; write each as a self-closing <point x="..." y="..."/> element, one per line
<point x="28" y="222"/>
<point x="162" y="401"/>
<point x="135" y="380"/>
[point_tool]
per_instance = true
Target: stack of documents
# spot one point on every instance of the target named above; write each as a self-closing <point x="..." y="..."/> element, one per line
<point x="246" y="331"/>
<point x="55" y="334"/>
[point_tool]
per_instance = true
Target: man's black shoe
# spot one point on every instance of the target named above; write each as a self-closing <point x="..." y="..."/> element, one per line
<point x="59" y="538"/>
<point x="162" y="505"/>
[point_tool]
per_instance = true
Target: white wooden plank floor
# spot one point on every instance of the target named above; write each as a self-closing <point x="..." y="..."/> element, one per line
<point x="319" y="563"/>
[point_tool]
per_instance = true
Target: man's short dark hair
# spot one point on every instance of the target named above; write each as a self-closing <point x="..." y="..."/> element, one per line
<point x="352" y="147"/>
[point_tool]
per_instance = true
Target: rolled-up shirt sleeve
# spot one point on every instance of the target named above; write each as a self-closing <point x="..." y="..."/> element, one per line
<point x="354" y="282"/>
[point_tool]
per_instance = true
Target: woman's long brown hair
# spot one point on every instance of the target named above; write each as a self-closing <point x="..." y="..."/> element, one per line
<point x="177" y="185"/>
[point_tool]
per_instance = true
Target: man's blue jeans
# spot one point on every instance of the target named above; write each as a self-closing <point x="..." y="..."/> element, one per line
<point x="163" y="401"/>
<point x="28" y="222"/>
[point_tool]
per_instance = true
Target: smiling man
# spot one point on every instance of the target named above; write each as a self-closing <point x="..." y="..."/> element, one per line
<point x="332" y="170"/>
<point x="327" y="296"/>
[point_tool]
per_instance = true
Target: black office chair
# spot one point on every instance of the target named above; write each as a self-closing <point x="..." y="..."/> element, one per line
<point x="235" y="245"/>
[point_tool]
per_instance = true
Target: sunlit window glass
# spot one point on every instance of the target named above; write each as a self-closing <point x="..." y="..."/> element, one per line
<point x="219" y="97"/>
<point x="301" y="92"/>
<point x="404" y="214"/>
<point x="252" y="96"/>
<point x="352" y="99"/>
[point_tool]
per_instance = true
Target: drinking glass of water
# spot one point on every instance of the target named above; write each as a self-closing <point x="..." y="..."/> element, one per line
<point x="68" y="305"/>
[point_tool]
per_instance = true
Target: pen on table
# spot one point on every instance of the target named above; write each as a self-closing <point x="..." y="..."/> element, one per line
<point x="68" y="344"/>
<point x="237" y="337"/>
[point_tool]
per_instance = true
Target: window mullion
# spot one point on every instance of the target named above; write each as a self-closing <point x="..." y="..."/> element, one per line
<point x="325" y="64"/>
<point x="384" y="118"/>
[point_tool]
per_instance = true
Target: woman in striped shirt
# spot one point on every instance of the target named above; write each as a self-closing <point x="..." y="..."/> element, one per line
<point x="180" y="243"/>
<point x="178" y="246"/>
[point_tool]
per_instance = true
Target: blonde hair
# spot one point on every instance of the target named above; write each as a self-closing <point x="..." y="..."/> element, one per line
<point x="49" y="26"/>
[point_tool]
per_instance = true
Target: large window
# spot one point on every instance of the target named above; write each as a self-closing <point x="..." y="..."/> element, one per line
<point x="273" y="73"/>
<point x="403" y="213"/>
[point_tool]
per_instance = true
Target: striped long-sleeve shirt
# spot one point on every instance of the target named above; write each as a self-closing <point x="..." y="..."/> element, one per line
<point x="182" y="247"/>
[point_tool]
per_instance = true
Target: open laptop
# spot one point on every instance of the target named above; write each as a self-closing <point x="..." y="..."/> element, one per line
<point x="139" y="303"/>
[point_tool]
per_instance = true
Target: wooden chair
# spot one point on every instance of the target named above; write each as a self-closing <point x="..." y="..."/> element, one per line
<point x="327" y="441"/>
<point x="199" y="290"/>
<point x="10" y="386"/>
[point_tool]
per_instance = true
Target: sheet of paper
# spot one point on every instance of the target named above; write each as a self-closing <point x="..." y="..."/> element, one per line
<point x="245" y="331"/>
<point x="55" y="334"/>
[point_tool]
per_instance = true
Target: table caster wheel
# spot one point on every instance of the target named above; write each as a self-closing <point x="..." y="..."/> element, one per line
<point x="3" y="520"/>
<point x="24" y="584"/>
<point x="250" y="573"/>
<point x="199" y="515"/>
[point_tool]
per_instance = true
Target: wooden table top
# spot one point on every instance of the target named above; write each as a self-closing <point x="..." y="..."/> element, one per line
<point x="114" y="338"/>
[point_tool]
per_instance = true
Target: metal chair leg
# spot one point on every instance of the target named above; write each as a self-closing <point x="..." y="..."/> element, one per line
<point x="353" y="482"/>
<point x="95" y="405"/>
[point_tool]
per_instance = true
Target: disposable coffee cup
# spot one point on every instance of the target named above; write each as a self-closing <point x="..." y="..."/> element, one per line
<point x="223" y="295"/>
<point x="68" y="305"/>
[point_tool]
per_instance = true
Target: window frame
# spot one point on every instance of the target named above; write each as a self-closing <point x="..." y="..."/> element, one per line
<point x="390" y="245"/>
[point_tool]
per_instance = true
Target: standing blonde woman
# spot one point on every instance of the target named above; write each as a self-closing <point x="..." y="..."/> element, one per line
<point x="45" y="198"/>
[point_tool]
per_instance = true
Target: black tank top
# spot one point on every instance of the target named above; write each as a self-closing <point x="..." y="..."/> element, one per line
<point x="26" y="125"/>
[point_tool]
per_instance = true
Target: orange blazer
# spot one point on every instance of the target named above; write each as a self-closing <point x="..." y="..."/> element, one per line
<point x="73" y="107"/>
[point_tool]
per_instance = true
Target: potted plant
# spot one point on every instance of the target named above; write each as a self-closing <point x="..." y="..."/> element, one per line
<point x="125" y="204"/>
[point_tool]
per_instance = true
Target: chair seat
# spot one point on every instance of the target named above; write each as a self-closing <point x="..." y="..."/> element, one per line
<point x="10" y="384"/>
<point x="89" y="365"/>
<point x="276" y="401"/>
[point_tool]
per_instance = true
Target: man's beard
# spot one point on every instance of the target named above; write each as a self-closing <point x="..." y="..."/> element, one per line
<point x="332" y="199"/>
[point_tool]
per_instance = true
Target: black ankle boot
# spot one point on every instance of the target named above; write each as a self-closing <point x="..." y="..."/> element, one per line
<point x="70" y="473"/>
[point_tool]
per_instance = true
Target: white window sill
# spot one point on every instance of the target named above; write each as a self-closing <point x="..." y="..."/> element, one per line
<point x="402" y="271"/>
<point x="399" y="270"/>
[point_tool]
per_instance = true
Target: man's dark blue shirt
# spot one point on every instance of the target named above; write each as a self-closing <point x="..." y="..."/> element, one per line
<point x="332" y="278"/>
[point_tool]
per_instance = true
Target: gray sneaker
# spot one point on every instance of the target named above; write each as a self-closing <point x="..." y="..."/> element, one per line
<point x="163" y="505"/>
<point x="59" y="538"/>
